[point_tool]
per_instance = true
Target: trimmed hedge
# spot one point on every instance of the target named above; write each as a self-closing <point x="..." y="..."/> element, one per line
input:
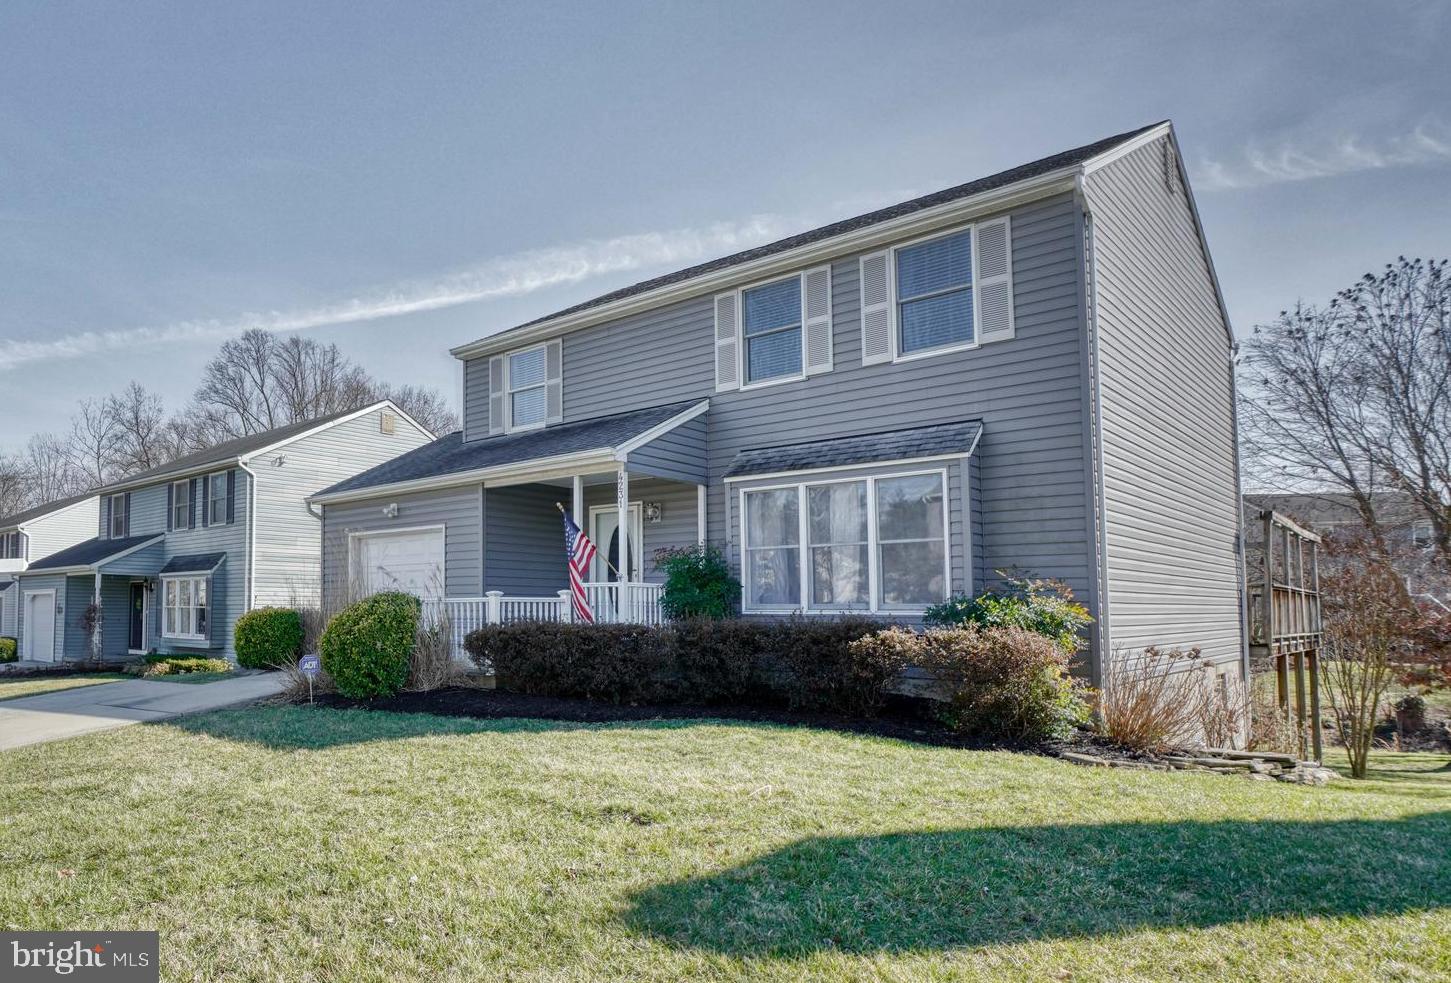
<point x="9" y="649"/>
<point x="366" y="647"/>
<point x="802" y="664"/>
<point x="266" y="638"/>
<point x="1000" y="683"/>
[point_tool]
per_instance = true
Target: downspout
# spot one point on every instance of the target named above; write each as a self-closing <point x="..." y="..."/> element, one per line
<point x="251" y="534"/>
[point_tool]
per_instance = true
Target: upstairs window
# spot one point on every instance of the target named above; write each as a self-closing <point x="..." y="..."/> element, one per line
<point x="934" y="294"/>
<point x="528" y="402"/>
<point x="118" y="517"/>
<point x="217" y="499"/>
<point x="180" y="504"/>
<point x="771" y="322"/>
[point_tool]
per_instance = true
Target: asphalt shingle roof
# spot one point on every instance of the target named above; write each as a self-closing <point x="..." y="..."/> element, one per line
<point x="90" y="552"/>
<point x="1068" y="158"/>
<point x="230" y="450"/>
<point x="40" y="510"/>
<point x="450" y="455"/>
<point x="6" y="586"/>
<point x="897" y="445"/>
<point x="194" y="563"/>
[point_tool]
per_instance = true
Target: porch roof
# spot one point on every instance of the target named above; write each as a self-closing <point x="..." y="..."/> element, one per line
<point x="193" y="563"/>
<point x="92" y="553"/>
<point x="6" y="585"/>
<point x="449" y="460"/>
<point x="942" y="440"/>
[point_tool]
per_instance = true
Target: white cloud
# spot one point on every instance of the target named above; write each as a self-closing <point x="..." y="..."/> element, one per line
<point x="509" y="276"/>
<point x="1294" y="162"/>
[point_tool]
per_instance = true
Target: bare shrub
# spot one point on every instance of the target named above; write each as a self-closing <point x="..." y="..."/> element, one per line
<point x="294" y="683"/>
<point x="1152" y="701"/>
<point x="1269" y="730"/>
<point x="432" y="665"/>
<point x="1220" y="712"/>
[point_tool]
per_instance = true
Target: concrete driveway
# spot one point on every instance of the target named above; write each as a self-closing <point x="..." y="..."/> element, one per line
<point x="106" y="706"/>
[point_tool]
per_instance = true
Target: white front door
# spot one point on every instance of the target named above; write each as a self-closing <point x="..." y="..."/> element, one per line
<point x="40" y="626"/>
<point x="407" y="560"/>
<point x="604" y="523"/>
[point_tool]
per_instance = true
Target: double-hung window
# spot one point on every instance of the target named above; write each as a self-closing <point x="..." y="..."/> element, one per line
<point x="934" y="294"/>
<point x="874" y="543"/>
<point x="118" y="516"/>
<point x="184" y="609"/>
<point x="527" y="388"/>
<point x="180" y="504"/>
<point x="771" y="325"/>
<point x="217" y="499"/>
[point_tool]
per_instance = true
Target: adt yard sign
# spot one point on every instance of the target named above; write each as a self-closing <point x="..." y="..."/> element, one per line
<point x="309" y="666"/>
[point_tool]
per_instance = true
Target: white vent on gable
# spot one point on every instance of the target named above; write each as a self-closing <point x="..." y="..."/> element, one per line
<point x="387" y="423"/>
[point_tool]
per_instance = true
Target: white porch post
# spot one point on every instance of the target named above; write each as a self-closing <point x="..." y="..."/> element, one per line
<point x="491" y="607"/>
<point x="622" y="513"/>
<point x="700" y="514"/>
<point x="577" y="505"/>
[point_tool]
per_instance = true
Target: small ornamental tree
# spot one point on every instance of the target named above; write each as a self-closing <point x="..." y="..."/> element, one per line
<point x="698" y="583"/>
<point x="366" y="648"/>
<point x="268" y="637"/>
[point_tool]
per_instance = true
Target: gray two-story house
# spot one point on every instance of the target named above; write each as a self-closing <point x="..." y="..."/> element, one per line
<point x="177" y="553"/>
<point x="1031" y="370"/>
<point x="34" y="534"/>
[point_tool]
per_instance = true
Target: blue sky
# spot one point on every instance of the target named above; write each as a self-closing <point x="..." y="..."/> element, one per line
<point x="402" y="178"/>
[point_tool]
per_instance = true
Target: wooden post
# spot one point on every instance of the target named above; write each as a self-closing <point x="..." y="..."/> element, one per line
<point x="1300" y="708"/>
<point x="1267" y="623"/>
<point x="1282" y="683"/>
<point x="1317" y="737"/>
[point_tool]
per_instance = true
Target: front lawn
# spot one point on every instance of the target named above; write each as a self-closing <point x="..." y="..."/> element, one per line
<point x="311" y="843"/>
<point x="14" y="689"/>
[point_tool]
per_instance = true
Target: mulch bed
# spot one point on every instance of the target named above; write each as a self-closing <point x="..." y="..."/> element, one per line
<point x="902" y="719"/>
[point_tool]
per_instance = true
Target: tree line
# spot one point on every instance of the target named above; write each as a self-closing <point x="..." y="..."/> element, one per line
<point x="255" y="382"/>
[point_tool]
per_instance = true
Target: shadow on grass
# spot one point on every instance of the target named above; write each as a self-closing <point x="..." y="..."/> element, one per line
<point x="1001" y="885"/>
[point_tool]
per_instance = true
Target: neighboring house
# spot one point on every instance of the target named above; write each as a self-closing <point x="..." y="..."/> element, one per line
<point x="1403" y="524"/>
<point x="35" y="534"/>
<point x="184" y="549"/>
<point x="1031" y="370"/>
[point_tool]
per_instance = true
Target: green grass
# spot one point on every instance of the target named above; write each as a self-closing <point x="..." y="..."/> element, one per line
<point x="306" y="843"/>
<point x="13" y="689"/>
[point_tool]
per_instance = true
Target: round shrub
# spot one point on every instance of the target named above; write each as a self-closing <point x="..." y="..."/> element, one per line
<point x="8" y="649"/>
<point x="268" y="637"/>
<point x="366" y="647"/>
<point x="698" y="583"/>
<point x="1046" y="607"/>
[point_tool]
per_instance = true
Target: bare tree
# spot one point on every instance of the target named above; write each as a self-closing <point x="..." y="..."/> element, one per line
<point x="1356" y="396"/>
<point x="141" y="438"/>
<point x="427" y="406"/>
<point x="49" y="470"/>
<point x="92" y="444"/>
<point x="14" y="485"/>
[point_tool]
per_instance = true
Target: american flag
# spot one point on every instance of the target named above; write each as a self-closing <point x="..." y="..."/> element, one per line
<point x="579" y="551"/>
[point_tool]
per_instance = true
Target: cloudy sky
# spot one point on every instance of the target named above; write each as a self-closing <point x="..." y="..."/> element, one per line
<point x="402" y="178"/>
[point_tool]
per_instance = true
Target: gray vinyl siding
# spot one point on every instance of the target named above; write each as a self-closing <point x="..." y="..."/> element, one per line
<point x="59" y="530"/>
<point x="142" y="563"/>
<point x="288" y="537"/>
<point x="679" y="454"/>
<point x="116" y="624"/>
<point x="476" y="399"/>
<point x="1169" y="470"/>
<point x="458" y="510"/>
<point x="9" y="604"/>
<point x="524" y="540"/>
<point x="78" y="594"/>
<point x="1030" y="509"/>
<point x="678" y="517"/>
<point x="49" y="581"/>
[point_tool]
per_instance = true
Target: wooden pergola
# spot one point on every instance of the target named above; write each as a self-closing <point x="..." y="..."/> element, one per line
<point x="1285" y="624"/>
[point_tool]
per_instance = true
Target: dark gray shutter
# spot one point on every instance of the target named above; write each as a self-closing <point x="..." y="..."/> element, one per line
<point x="231" y="496"/>
<point x="206" y="500"/>
<point x="211" y="631"/>
<point x="170" y="490"/>
<point x="191" y="490"/>
<point x="126" y="520"/>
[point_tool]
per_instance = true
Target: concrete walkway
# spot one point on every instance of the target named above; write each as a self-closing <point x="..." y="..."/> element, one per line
<point x="106" y="706"/>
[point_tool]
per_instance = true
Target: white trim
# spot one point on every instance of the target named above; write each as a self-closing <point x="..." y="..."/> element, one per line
<point x="249" y="574"/>
<point x="145" y="617"/>
<point x="111" y="515"/>
<point x="873" y="544"/>
<point x="192" y="578"/>
<point x="864" y="465"/>
<point x="660" y="429"/>
<point x="599" y="459"/>
<point x="1127" y="147"/>
<point x="355" y="535"/>
<point x="24" y="615"/>
<point x="700" y="525"/>
<point x="742" y="366"/>
<point x="858" y="240"/>
<point x="637" y="550"/>
<point x="207" y="485"/>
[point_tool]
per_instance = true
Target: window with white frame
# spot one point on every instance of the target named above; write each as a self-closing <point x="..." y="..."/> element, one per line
<point x="180" y="504"/>
<point x="217" y="499"/>
<point x="118" y="516"/>
<point x="771" y="326"/>
<point x="934" y="294"/>
<point x="184" y="608"/>
<point x="877" y="543"/>
<point x="10" y="546"/>
<point x="527" y="388"/>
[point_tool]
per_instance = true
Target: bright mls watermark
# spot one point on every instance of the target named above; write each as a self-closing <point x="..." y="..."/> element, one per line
<point x="120" y="957"/>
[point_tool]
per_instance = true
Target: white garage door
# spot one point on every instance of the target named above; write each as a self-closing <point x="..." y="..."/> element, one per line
<point x="408" y="560"/>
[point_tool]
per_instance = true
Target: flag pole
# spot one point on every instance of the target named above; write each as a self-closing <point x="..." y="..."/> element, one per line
<point x="603" y="556"/>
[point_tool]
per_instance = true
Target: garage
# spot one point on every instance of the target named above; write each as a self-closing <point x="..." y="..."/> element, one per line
<point x="39" y="626"/>
<point x="407" y="560"/>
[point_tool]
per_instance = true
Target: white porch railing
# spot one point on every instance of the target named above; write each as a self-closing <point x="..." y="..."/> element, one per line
<point x="612" y="603"/>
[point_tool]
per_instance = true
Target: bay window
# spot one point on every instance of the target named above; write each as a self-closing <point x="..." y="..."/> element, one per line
<point x="184" y="608"/>
<point x="875" y="543"/>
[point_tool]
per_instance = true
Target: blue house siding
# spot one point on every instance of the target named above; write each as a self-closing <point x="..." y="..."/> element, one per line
<point x="39" y="582"/>
<point x="524" y="540"/>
